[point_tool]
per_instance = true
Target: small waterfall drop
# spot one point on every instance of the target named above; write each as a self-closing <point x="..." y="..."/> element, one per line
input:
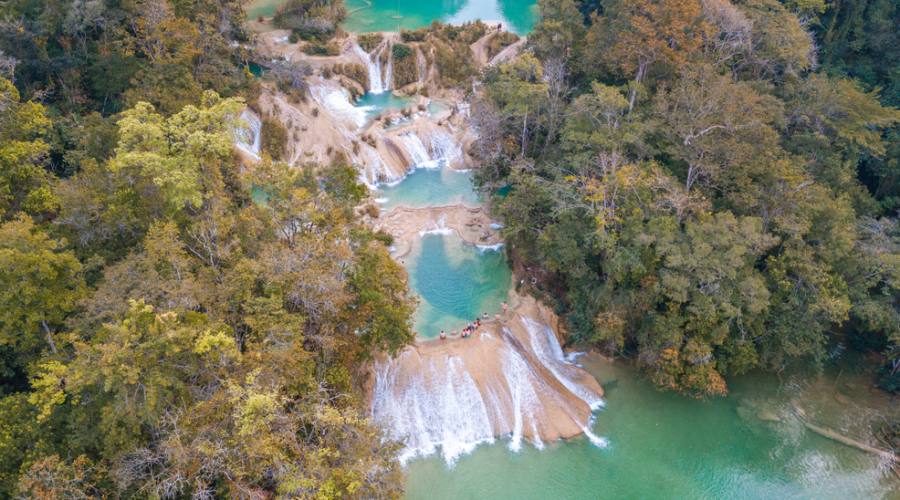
<point x="546" y="347"/>
<point x="389" y="69"/>
<point x="337" y="101"/>
<point x="524" y="398"/>
<point x="247" y="135"/>
<point x="444" y="147"/>
<point x="421" y="66"/>
<point x="373" y="65"/>
<point x="417" y="151"/>
<point x="437" y="227"/>
<point x="441" y="408"/>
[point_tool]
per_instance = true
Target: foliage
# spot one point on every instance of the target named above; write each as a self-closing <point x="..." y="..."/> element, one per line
<point x="310" y="19"/>
<point x="24" y="181"/>
<point x="690" y="191"/>
<point x="274" y="138"/>
<point x="41" y="285"/>
<point x="202" y="329"/>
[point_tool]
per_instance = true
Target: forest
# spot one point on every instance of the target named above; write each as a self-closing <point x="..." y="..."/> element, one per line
<point x="172" y="324"/>
<point x="705" y="186"/>
<point x="708" y="187"/>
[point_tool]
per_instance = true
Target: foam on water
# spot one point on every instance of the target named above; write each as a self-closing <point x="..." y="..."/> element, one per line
<point x="440" y="408"/>
<point x="550" y="353"/>
<point x="373" y="65"/>
<point x="489" y="248"/>
<point x="337" y="101"/>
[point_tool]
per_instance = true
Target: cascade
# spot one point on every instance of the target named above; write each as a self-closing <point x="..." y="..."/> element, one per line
<point x="437" y="399"/>
<point x="525" y="403"/>
<point x="247" y="135"/>
<point x="389" y="69"/>
<point x="441" y="407"/>
<point x="337" y="101"/>
<point x="421" y="66"/>
<point x="437" y="227"/>
<point x="550" y="353"/>
<point x="417" y="151"/>
<point x="444" y="147"/>
<point x="373" y="65"/>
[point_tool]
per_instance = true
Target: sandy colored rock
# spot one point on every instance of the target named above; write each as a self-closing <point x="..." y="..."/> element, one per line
<point x="407" y="225"/>
<point x="509" y="378"/>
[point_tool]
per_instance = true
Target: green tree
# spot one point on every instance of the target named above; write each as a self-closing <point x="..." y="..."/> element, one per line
<point x="25" y="184"/>
<point x="41" y="285"/>
<point x="634" y="37"/>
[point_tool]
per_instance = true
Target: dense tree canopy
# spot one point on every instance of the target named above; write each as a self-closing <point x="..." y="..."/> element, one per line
<point x="163" y="334"/>
<point x="701" y="205"/>
<point x="707" y="186"/>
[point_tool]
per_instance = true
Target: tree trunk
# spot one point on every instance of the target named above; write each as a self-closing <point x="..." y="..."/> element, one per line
<point x="524" y="131"/>
<point x="642" y="68"/>
<point x="49" y="336"/>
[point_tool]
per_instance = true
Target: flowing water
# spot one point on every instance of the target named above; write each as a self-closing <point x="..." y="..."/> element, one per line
<point x="656" y="445"/>
<point x="377" y="83"/>
<point x="375" y="104"/>
<point x="247" y="134"/>
<point x="389" y="15"/>
<point x="665" y="446"/>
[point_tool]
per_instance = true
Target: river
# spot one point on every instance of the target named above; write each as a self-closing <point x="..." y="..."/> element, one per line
<point x="751" y="444"/>
<point x="389" y="15"/>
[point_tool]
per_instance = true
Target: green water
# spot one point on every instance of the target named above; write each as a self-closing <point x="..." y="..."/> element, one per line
<point x="388" y="15"/>
<point x="666" y="446"/>
<point x="262" y="8"/>
<point x="456" y="283"/>
<point x="430" y="187"/>
<point x="661" y="445"/>
<point x="375" y="104"/>
<point x="436" y="108"/>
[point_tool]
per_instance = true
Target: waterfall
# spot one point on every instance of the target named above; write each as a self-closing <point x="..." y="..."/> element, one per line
<point x="389" y="70"/>
<point x="524" y="398"/>
<point x="436" y="227"/>
<point x="546" y="347"/>
<point x="337" y="101"/>
<point x="444" y="146"/>
<point x="417" y="151"/>
<point x="421" y="66"/>
<point x="441" y="398"/>
<point x="441" y="408"/>
<point x="376" y="84"/>
<point x="247" y="135"/>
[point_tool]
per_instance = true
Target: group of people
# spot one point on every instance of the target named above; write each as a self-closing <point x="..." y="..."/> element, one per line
<point x="472" y="327"/>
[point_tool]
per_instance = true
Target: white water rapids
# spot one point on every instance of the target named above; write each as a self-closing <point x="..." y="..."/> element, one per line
<point x="377" y="83"/>
<point x="502" y="383"/>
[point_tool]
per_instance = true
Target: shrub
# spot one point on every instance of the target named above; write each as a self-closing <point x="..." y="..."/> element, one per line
<point x="401" y="51"/>
<point x="368" y="41"/>
<point x="273" y="138"/>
